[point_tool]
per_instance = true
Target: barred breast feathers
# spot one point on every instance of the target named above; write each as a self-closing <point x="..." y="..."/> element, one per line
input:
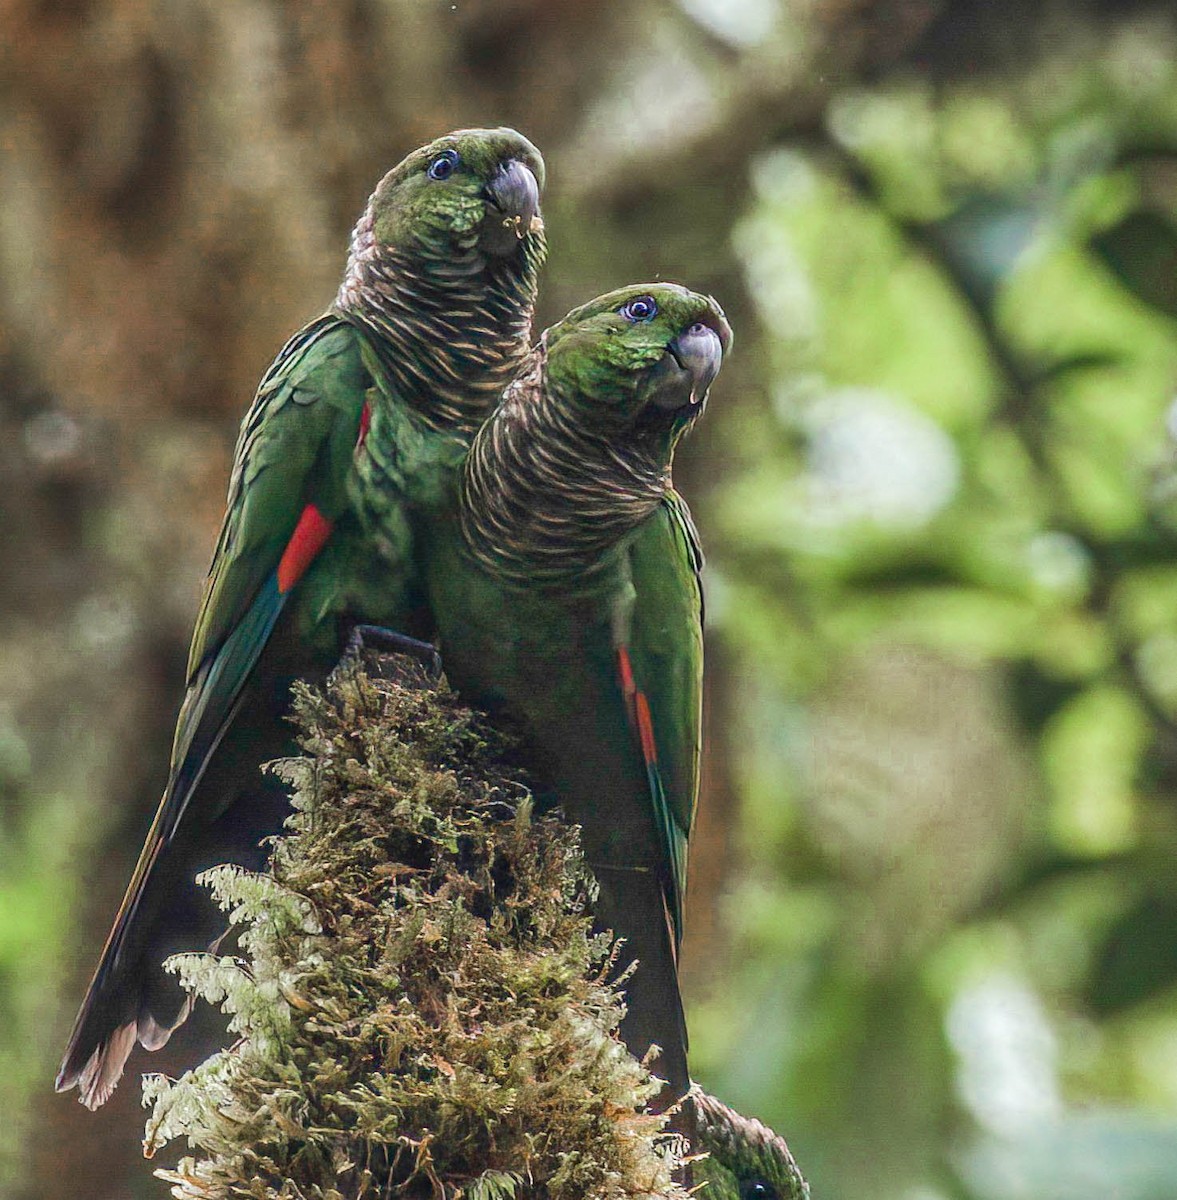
<point x="449" y="325"/>
<point x="544" y="498"/>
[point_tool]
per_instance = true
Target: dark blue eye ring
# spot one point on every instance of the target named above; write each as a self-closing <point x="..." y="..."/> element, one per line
<point x="444" y="165"/>
<point x="640" y="308"/>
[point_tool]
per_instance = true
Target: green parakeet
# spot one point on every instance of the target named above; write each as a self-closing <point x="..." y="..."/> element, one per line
<point x="351" y="448"/>
<point x="569" y="607"/>
<point x="745" y="1159"/>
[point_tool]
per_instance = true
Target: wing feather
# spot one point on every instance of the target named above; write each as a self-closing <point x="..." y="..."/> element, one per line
<point x="293" y="454"/>
<point x="664" y="665"/>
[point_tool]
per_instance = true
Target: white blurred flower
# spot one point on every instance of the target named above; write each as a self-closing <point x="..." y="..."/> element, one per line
<point x="738" y="22"/>
<point x="1059" y="563"/>
<point x="860" y="119"/>
<point x="1007" y="1055"/>
<point x="784" y="177"/>
<point x="873" y="458"/>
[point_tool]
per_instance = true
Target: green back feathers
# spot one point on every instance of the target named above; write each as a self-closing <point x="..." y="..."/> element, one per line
<point x="356" y="430"/>
<point x="305" y="417"/>
<point x="567" y="487"/>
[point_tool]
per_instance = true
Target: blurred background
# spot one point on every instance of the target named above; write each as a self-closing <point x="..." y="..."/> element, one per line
<point x="933" y="917"/>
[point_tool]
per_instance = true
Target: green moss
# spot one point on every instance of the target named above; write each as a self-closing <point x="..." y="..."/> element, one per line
<point x="421" y="1006"/>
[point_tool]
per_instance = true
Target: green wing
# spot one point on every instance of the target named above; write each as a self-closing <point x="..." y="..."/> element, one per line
<point x="666" y="651"/>
<point x="293" y="456"/>
<point x="294" y="448"/>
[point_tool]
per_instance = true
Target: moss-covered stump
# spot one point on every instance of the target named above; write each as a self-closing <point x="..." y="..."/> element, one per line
<point x="420" y="1004"/>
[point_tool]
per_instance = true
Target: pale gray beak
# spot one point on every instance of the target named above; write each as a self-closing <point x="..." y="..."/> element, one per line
<point x="514" y="199"/>
<point x="699" y="352"/>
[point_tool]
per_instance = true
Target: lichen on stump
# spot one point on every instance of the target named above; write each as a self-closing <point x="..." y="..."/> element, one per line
<point x="420" y="1003"/>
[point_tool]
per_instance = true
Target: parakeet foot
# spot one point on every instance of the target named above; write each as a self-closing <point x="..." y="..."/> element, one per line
<point x="376" y="637"/>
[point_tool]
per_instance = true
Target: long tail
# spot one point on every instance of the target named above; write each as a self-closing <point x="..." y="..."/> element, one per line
<point x="126" y="1000"/>
<point x="112" y="1018"/>
<point x="635" y="901"/>
<point x="97" y="1074"/>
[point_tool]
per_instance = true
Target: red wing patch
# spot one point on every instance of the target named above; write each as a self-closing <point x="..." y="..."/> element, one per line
<point x="645" y="728"/>
<point x="365" y="422"/>
<point x="639" y="707"/>
<point x="628" y="687"/>
<point x="310" y="533"/>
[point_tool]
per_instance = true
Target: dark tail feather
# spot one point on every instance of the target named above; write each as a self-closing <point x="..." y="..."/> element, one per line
<point x="633" y="904"/>
<point x="103" y="1036"/>
<point x="111" y="1016"/>
<point x="105" y="1028"/>
<point x="129" y="1000"/>
<point x="164" y="912"/>
<point x="96" y="1075"/>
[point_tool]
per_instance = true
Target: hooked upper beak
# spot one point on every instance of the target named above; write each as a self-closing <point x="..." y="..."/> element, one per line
<point x="699" y="352"/>
<point x="514" y="194"/>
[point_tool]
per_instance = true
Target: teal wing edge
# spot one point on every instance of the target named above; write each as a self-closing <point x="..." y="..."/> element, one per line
<point x="287" y="488"/>
<point x="665" y="677"/>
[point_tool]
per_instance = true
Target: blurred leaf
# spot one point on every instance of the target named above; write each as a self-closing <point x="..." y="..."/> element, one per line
<point x="1142" y="253"/>
<point x="983" y="242"/>
<point x="972" y="619"/>
<point x="1092" y="749"/>
<point x="1098" y="487"/>
<point x="835" y="278"/>
<point x="1138" y="957"/>
<point x="1145" y="600"/>
<point x="1093" y="360"/>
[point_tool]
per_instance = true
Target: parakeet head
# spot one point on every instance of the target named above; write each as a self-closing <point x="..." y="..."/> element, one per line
<point x="579" y="451"/>
<point x="641" y="358"/>
<point x="471" y="190"/>
<point x="745" y="1159"/>
<point x="443" y="271"/>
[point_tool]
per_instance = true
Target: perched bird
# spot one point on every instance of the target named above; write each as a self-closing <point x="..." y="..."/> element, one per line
<point x="745" y="1159"/>
<point x="567" y="595"/>
<point x="352" y="446"/>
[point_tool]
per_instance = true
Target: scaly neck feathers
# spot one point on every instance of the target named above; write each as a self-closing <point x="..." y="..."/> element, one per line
<point x="545" y="496"/>
<point x="450" y="325"/>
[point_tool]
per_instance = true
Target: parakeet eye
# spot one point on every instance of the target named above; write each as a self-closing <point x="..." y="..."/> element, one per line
<point x="444" y="165"/>
<point x="640" y="308"/>
<point x="757" y="1189"/>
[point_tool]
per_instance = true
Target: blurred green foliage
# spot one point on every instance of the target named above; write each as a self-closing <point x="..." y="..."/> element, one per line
<point x="946" y="568"/>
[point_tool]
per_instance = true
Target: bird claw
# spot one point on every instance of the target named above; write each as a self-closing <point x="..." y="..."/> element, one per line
<point x="377" y="638"/>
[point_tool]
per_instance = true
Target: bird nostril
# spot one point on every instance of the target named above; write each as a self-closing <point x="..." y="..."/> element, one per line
<point x="698" y="328"/>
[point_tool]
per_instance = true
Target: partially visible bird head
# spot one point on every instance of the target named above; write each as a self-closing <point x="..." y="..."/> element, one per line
<point x="745" y="1159"/>
<point x="474" y="189"/>
<point x="639" y="359"/>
